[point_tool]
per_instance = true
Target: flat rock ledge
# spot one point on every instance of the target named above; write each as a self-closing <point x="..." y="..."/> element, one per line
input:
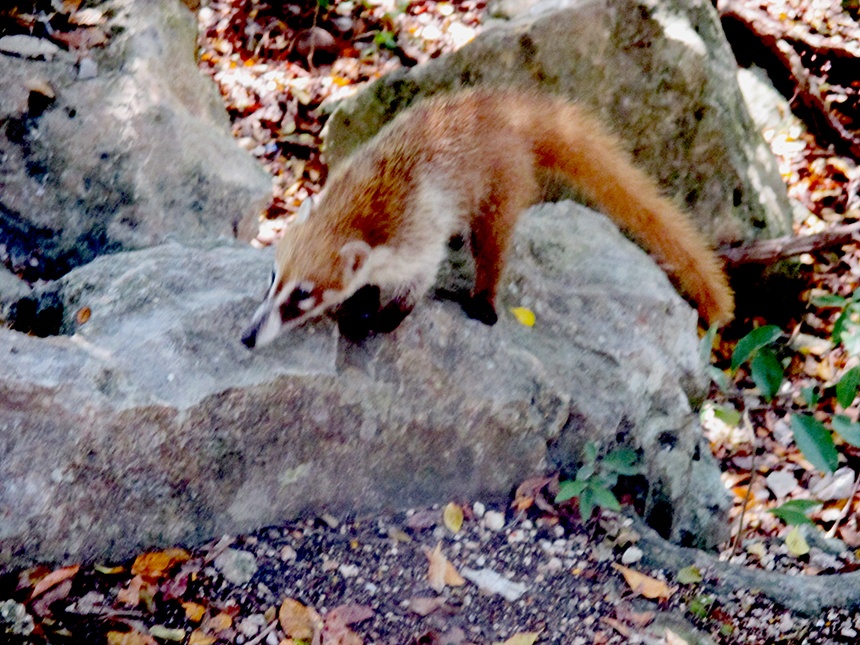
<point x="146" y="422"/>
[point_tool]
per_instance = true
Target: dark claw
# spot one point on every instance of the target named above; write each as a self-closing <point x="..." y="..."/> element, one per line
<point x="480" y="307"/>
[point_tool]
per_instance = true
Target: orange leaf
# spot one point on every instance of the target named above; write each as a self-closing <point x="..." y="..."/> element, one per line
<point x="131" y="594"/>
<point x="54" y="578"/>
<point x="156" y="564"/>
<point x="218" y="623"/>
<point x="645" y="586"/>
<point x="194" y="611"/>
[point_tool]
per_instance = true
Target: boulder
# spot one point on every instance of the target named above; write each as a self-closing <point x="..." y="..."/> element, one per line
<point x="121" y="149"/>
<point x="659" y="74"/>
<point x="145" y="422"/>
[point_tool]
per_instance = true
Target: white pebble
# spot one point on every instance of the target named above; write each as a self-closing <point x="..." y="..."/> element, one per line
<point x="479" y="509"/>
<point x="494" y="520"/>
<point x="631" y="555"/>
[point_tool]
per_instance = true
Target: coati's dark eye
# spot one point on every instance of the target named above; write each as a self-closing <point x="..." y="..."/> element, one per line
<point x="300" y="293"/>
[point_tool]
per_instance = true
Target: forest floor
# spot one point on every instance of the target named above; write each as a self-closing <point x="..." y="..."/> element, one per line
<point x="524" y="570"/>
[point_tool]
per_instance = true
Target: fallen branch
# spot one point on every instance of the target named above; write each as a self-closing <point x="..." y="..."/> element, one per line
<point x="771" y="251"/>
<point x="811" y="106"/>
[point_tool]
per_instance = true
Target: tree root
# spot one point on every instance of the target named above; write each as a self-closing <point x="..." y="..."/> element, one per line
<point x="808" y="595"/>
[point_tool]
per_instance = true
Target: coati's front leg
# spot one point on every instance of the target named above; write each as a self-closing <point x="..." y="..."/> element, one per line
<point x="362" y="314"/>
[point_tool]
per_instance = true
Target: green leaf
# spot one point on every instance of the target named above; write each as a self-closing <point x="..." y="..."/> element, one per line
<point x="794" y="512"/>
<point x="828" y="300"/>
<point x="719" y="377"/>
<point x="585" y="472"/>
<point x="604" y="498"/>
<point x="846" y="329"/>
<point x="815" y="442"/>
<point x="766" y="372"/>
<point x="385" y="39"/>
<point x="706" y="345"/>
<point x="569" y="489"/>
<point x="846" y="388"/>
<point x="590" y="452"/>
<point x="850" y="432"/>
<point x="586" y="504"/>
<point x="727" y="415"/>
<point x="689" y="575"/>
<point x="752" y="342"/>
<point x="811" y="395"/>
<point x="622" y="461"/>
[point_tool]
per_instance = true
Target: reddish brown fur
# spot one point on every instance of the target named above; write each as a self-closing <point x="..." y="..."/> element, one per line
<point x="469" y="162"/>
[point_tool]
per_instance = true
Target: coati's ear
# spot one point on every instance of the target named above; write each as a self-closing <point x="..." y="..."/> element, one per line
<point x="354" y="256"/>
<point x="304" y="211"/>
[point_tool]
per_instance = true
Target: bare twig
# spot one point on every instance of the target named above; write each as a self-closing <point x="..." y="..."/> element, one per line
<point x="770" y="251"/>
<point x="739" y="534"/>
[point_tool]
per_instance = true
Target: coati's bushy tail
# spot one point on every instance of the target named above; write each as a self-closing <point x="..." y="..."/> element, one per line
<point x="567" y="139"/>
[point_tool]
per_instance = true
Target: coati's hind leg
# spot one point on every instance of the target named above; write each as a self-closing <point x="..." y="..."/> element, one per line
<point x="492" y="231"/>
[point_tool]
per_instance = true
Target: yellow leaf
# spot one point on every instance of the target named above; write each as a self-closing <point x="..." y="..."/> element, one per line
<point x="299" y="622"/>
<point x="194" y="611"/>
<point x="453" y="517"/>
<point x="645" y="586"/>
<point x="796" y="543"/>
<point x="522" y="638"/>
<point x="524" y="316"/>
<point x="156" y="565"/>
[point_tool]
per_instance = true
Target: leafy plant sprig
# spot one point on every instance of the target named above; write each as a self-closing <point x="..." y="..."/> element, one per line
<point x="596" y="477"/>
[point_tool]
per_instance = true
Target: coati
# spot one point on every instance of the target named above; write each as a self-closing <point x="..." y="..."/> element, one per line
<point x="465" y="164"/>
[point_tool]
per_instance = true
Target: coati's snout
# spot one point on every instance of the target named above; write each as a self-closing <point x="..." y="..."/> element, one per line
<point x="286" y="305"/>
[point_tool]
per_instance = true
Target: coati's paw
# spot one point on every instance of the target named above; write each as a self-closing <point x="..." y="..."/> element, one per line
<point x="356" y="317"/>
<point x="390" y="316"/>
<point x="480" y="307"/>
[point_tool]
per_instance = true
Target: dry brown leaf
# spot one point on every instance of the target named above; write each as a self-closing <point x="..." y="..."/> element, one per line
<point x="129" y="638"/>
<point x="617" y="625"/>
<point x="200" y="638"/>
<point x="441" y="572"/>
<point x="528" y="491"/>
<point x="424" y="606"/>
<point x="645" y="586"/>
<point x="83" y="315"/>
<point x="54" y="578"/>
<point x="156" y="564"/>
<point x="348" y="614"/>
<point x="299" y="622"/>
<point x="452" y="516"/>
<point x="131" y="595"/>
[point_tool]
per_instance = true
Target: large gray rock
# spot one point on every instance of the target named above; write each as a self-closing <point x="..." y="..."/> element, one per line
<point x="659" y="73"/>
<point x="148" y="423"/>
<point x="138" y="153"/>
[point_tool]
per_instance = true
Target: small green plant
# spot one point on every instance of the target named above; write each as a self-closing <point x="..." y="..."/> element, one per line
<point x="811" y="435"/>
<point x="595" y="479"/>
<point x="794" y="512"/>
